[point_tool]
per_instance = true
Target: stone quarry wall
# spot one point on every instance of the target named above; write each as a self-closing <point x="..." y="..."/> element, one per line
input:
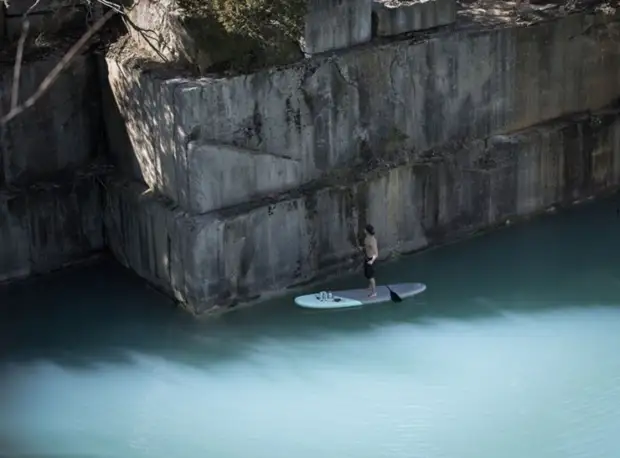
<point x="360" y="106"/>
<point x="49" y="226"/>
<point x="238" y="253"/>
<point x="45" y="16"/>
<point x="231" y="187"/>
<point x="50" y="196"/>
<point x="60" y="133"/>
<point x="336" y="24"/>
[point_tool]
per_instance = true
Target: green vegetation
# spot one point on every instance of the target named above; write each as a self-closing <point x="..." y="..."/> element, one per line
<point x="268" y="22"/>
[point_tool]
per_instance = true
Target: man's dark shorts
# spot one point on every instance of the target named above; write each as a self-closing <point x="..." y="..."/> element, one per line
<point x="369" y="270"/>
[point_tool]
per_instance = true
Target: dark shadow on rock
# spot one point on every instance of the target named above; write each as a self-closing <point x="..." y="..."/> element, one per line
<point x="120" y="150"/>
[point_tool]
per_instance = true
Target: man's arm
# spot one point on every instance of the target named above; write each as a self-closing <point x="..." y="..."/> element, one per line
<point x="375" y="251"/>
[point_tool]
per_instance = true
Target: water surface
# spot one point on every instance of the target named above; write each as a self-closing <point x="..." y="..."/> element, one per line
<point x="509" y="353"/>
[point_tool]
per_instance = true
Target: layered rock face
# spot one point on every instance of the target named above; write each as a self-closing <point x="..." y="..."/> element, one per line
<point x="46" y="17"/>
<point x="231" y="187"/>
<point x="50" y="194"/>
<point x="227" y="187"/>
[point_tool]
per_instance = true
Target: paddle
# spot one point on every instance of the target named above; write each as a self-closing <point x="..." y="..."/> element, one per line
<point x="393" y="296"/>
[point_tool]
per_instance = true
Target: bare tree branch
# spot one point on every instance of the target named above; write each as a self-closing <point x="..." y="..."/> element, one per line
<point x="53" y="75"/>
<point x="17" y="68"/>
<point x="15" y="107"/>
<point x="32" y="7"/>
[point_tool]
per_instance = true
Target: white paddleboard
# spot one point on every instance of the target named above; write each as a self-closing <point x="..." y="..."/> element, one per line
<point x="357" y="297"/>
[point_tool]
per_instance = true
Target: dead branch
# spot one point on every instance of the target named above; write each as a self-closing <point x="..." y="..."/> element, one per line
<point x="53" y="75"/>
<point x="18" y="63"/>
<point x="15" y="108"/>
<point x="20" y="55"/>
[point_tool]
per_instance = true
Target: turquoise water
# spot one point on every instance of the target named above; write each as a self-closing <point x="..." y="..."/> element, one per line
<point x="509" y="353"/>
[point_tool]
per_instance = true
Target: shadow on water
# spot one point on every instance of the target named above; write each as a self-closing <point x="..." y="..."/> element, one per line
<point x="100" y="314"/>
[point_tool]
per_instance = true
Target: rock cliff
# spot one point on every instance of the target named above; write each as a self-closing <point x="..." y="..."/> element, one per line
<point x="428" y="119"/>
<point x="232" y="186"/>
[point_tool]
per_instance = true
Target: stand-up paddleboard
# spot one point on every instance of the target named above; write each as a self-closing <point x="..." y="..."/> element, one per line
<point x="357" y="297"/>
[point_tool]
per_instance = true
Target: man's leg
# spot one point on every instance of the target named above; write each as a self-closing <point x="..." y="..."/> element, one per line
<point x="373" y="290"/>
<point x="369" y="274"/>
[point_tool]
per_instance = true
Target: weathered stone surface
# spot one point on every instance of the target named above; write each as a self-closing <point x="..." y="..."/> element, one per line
<point x="19" y="7"/>
<point x="394" y="17"/>
<point x="2" y="24"/>
<point x="47" y="16"/>
<point x="219" y="175"/>
<point x="50" y="206"/>
<point x="219" y="258"/>
<point x="62" y="132"/>
<point x="239" y="253"/>
<point x="336" y="24"/>
<point x="44" y="229"/>
<point x="367" y="103"/>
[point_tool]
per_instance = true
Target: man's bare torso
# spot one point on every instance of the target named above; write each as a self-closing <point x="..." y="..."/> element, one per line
<point x="370" y="246"/>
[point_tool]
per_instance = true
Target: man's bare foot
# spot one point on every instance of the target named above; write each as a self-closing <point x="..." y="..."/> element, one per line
<point x="372" y="295"/>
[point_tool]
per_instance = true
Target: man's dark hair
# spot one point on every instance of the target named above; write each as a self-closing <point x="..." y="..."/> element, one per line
<point x="370" y="229"/>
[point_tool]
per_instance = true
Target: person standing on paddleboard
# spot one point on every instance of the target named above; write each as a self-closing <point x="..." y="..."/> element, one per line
<point x="371" y="253"/>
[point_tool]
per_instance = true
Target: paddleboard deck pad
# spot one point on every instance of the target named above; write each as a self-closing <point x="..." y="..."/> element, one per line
<point x="357" y="297"/>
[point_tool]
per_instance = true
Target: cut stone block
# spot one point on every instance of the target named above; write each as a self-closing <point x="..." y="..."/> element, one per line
<point x="395" y="17"/>
<point x="47" y="228"/>
<point x="337" y="24"/>
<point x="47" y="17"/>
<point x="2" y="23"/>
<point x="355" y="106"/>
<point x="238" y="254"/>
<point x="62" y="134"/>
<point x="219" y="176"/>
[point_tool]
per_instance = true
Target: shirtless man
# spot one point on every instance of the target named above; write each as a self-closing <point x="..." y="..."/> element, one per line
<point x="371" y="252"/>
